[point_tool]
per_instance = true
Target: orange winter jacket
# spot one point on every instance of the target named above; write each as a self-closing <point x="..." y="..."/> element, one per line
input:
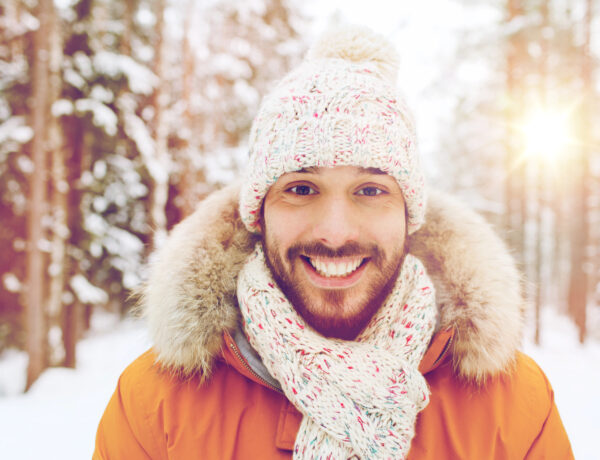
<point x="200" y="394"/>
<point x="237" y="415"/>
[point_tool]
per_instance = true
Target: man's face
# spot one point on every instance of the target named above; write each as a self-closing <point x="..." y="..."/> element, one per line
<point x="334" y="241"/>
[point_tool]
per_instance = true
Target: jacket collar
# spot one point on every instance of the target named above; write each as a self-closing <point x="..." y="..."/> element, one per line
<point x="190" y="296"/>
<point x="238" y="353"/>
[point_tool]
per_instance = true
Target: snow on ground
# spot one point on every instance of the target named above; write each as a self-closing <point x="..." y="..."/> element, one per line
<point x="574" y="372"/>
<point x="57" y="419"/>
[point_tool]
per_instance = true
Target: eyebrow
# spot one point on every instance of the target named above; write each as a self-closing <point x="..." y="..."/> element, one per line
<point x="361" y="170"/>
<point x="374" y="171"/>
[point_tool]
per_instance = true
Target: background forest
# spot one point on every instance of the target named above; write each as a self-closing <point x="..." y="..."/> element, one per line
<point x="116" y="118"/>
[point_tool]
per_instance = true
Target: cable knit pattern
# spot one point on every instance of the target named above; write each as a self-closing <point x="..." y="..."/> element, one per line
<point x="340" y="107"/>
<point x="358" y="397"/>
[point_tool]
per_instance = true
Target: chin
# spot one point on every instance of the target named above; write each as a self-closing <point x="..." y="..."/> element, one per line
<point x="336" y="313"/>
<point x="320" y="307"/>
<point x="339" y="328"/>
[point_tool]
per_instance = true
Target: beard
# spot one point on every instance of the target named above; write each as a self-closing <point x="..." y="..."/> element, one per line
<point x="338" y="313"/>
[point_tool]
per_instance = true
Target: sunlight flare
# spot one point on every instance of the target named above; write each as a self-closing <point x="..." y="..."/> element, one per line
<point x="547" y="134"/>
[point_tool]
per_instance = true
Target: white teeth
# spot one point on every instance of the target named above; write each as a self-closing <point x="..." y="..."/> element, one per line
<point x="331" y="268"/>
<point x="340" y="269"/>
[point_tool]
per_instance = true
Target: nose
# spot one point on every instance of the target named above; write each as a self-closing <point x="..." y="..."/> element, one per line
<point x="337" y="222"/>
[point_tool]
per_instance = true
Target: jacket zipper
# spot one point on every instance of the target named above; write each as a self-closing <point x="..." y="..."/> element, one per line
<point x="444" y="351"/>
<point x="241" y="359"/>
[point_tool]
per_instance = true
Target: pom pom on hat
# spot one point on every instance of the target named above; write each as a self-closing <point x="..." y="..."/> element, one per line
<point x="358" y="44"/>
<point x="340" y="107"/>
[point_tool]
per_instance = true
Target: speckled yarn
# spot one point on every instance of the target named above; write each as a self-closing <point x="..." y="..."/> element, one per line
<point x="339" y="107"/>
<point x="358" y="397"/>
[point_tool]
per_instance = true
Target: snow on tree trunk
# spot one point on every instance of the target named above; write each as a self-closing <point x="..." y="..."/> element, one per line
<point x="60" y="188"/>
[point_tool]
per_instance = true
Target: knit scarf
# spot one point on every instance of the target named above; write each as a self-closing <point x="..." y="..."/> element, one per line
<point x="357" y="397"/>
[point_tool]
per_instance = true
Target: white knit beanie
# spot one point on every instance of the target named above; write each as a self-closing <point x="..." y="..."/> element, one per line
<point x="340" y="107"/>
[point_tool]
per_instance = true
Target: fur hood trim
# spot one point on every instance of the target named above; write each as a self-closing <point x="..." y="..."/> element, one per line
<point x="189" y="299"/>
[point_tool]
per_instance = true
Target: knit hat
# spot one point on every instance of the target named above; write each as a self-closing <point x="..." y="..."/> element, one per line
<point x="340" y="107"/>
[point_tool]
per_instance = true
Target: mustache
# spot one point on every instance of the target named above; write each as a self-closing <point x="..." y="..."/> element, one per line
<point x="349" y="249"/>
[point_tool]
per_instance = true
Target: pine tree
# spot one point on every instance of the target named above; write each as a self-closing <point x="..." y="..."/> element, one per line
<point x="16" y="30"/>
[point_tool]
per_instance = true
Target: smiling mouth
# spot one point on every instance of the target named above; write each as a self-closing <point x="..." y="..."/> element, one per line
<point x="335" y="267"/>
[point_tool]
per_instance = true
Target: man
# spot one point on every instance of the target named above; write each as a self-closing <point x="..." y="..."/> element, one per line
<point x="335" y="316"/>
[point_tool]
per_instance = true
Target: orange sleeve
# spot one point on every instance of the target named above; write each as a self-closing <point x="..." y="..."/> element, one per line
<point x="129" y="427"/>
<point x="552" y="441"/>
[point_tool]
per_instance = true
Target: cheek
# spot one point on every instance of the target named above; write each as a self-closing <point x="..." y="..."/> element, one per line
<point x="390" y="233"/>
<point x="281" y="227"/>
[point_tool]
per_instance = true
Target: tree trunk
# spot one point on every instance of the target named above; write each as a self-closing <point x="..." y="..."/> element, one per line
<point x="129" y="6"/>
<point x="515" y="172"/>
<point x="37" y="342"/>
<point x="160" y="169"/>
<point x="191" y="176"/>
<point x="540" y="176"/>
<point x="72" y="327"/>
<point x="71" y="324"/>
<point x="578" y="286"/>
<point x="538" y="259"/>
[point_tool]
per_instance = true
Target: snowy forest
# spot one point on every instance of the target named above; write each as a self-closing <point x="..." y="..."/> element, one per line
<point x="116" y="118"/>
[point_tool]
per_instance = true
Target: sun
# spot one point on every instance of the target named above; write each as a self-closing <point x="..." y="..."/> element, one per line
<point x="547" y="135"/>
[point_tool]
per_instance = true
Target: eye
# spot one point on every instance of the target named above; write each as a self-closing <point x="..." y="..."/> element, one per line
<point x="302" y="190"/>
<point x="370" y="191"/>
